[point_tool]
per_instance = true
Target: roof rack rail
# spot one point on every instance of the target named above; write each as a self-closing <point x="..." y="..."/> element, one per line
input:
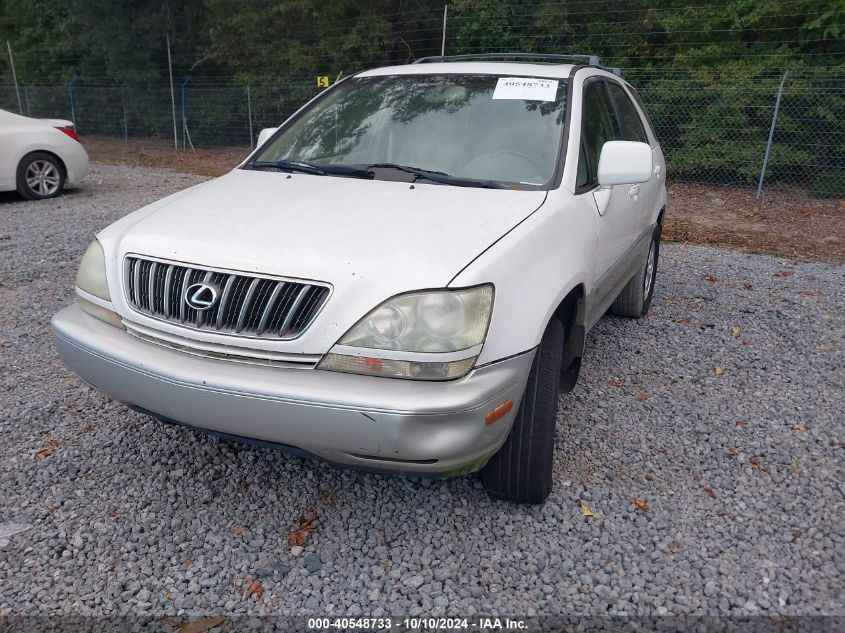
<point x="588" y="60"/>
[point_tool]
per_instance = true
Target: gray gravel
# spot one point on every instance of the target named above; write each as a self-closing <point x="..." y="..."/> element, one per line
<point x="741" y="468"/>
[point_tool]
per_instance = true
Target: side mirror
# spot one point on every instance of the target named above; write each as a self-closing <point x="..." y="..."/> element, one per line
<point x="264" y="134"/>
<point x="625" y="163"/>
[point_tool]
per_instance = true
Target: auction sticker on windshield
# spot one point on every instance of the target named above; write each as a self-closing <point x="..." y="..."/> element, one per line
<point x="526" y="88"/>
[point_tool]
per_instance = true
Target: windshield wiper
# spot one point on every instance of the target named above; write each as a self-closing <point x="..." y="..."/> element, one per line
<point x="437" y="176"/>
<point x="366" y="171"/>
<point x="283" y="164"/>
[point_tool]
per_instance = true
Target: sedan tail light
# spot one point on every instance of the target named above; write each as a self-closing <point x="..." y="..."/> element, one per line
<point x="68" y="129"/>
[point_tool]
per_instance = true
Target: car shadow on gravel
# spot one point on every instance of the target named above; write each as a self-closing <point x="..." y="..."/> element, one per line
<point x="13" y="197"/>
<point x="229" y="477"/>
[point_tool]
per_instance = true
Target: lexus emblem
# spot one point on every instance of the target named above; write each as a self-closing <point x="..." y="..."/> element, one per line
<point x="202" y="296"/>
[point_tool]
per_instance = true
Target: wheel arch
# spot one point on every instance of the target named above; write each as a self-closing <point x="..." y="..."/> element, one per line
<point x="58" y="158"/>
<point x="571" y="312"/>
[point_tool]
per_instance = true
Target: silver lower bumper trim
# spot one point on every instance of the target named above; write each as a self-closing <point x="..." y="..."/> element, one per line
<point x="417" y="427"/>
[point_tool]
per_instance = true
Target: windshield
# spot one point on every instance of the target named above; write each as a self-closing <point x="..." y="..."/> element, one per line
<point x="471" y="127"/>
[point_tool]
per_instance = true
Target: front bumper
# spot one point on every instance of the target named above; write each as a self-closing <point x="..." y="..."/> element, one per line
<point x="429" y="428"/>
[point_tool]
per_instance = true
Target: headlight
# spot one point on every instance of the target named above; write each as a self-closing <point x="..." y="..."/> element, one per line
<point x="91" y="280"/>
<point x="431" y="335"/>
<point x="433" y="321"/>
<point x="99" y="312"/>
<point x="92" y="272"/>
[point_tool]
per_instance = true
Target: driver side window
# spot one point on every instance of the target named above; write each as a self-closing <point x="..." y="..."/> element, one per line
<point x="598" y="125"/>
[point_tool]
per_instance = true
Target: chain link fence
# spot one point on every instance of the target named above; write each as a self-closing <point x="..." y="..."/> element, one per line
<point x="714" y="126"/>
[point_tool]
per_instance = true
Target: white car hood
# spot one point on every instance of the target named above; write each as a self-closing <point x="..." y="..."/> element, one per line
<point x="368" y="239"/>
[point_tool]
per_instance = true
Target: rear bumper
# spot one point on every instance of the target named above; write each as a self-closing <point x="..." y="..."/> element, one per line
<point x="428" y="428"/>
<point x="76" y="164"/>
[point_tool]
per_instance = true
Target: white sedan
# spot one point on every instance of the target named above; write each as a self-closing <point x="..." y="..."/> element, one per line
<point x="39" y="157"/>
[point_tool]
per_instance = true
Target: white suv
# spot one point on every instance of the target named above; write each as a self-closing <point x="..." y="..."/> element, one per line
<point x="400" y="278"/>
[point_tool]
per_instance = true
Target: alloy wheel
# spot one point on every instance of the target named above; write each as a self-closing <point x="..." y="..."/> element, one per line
<point x="43" y="177"/>
<point x="649" y="271"/>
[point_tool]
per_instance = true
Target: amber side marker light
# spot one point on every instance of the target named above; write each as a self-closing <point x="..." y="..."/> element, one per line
<point x="499" y="412"/>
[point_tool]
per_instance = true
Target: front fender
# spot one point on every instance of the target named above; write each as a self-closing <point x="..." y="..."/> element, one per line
<point x="533" y="268"/>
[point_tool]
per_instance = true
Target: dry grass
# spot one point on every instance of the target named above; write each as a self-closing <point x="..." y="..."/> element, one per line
<point x="784" y="223"/>
<point x="158" y="153"/>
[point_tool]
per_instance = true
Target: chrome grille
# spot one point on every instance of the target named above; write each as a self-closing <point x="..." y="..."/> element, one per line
<point x="248" y="305"/>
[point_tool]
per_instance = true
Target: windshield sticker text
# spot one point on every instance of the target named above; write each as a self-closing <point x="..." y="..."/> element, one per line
<point x="526" y="89"/>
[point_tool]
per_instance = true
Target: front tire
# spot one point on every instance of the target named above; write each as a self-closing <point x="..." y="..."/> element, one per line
<point x="522" y="469"/>
<point x="635" y="298"/>
<point x="40" y="176"/>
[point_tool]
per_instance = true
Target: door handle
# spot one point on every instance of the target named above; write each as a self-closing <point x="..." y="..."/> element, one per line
<point x="634" y="190"/>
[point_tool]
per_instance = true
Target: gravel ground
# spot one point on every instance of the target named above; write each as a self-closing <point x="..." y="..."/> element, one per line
<point x="705" y="439"/>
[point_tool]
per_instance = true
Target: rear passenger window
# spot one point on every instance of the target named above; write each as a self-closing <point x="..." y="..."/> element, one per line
<point x="629" y="119"/>
<point x="598" y="126"/>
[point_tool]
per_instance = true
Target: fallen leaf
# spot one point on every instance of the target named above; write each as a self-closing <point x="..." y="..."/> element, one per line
<point x="52" y="445"/>
<point x="799" y="427"/>
<point x="684" y="321"/>
<point x="740" y="424"/>
<point x="585" y="510"/>
<point x="649" y="477"/>
<point x="307" y="526"/>
<point x="719" y="370"/>
<point x="613" y="382"/>
<point x="187" y="562"/>
<point x="254" y="588"/>
<point x="641" y="504"/>
<point x="755" y="463"/>
<point x="202" y="625"/>
<point x="87" y="427"/>
<point x="784" y="273"/>
<point x="709" y="492"/>
<point x="673" y="546"/>
<point x="731" y="453"/>
<point x="641" y="397"/>
<point x="236" y="530"/>
<point x="735" y="330"/>
<point x="711" y="279"/>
